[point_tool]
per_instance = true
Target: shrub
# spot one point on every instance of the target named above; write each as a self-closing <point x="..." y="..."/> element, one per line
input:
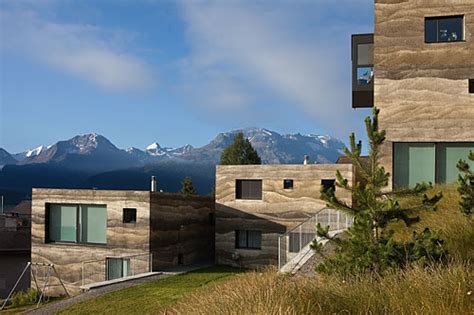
<point x="21" y="298"/>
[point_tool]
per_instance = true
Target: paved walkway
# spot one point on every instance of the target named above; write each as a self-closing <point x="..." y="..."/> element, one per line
<point x="58" y="306"/>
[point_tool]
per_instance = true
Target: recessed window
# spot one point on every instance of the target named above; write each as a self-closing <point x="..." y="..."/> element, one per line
<point x="444" y="29"/>
<point x="328" y="184"/>
<point x="471" y="85"/>
<point x="118" y="268"/>
<point x="287" y="184"/>
<point x="76" y="223"/>
<point x="428" y="162"/>
<point x="248" y="189"/>
<point x="248" y="239"/>
<point x="129" y="215"/>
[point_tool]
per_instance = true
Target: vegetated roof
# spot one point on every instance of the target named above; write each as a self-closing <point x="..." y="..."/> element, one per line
<point x="346" y="160"/>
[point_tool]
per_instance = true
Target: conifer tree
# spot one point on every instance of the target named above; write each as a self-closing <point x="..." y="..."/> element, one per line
<point x="240" y="152"/>
<point x="369" y="246"/>
<point x="466" y="186"/>
<point x="187" y="187"/>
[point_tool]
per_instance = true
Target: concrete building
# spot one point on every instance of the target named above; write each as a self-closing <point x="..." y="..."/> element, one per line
<point x="99" y="235"/>
<point x="418" y="69"/>
<point x="256" y="204"/>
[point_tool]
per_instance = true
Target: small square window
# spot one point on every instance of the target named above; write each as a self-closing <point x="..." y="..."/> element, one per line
<point x="129" y="215"/>
<point x="328" y="184"/>
<point x="471" y="85"/>
<point x="287" y="184"/>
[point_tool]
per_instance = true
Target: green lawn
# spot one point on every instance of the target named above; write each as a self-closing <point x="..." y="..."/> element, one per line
<point x="153" y="296"/>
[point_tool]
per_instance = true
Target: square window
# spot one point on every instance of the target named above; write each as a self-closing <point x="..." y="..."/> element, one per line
<point x="365" y="75"/>
<point x="287" y="184"/>
<point x="248" y="239"/>
<point x="444" y="29"/>
<point x="365" y="54"/>
<point x="248" y="189"/>
<point x="328" y="184"/>
<point x="129" y="215"/>
<point x="471" y="86"/>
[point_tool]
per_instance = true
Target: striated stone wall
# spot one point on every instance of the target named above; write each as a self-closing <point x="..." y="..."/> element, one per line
<point x="278" y="211"/>
<point x="123" y="239"/>
<point x="181" y="226"/>
<point x="422" y="89"/>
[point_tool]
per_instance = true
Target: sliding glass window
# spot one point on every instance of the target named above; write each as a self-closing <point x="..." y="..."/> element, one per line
<point x="413" y="163"/>
<point x="77" y="223"/>
<point x="428" y="162"/>
<point x="447" y="157"/>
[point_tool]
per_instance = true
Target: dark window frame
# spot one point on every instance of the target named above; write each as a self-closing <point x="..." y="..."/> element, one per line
<point x="249" y="192"/>
<point x="237" y="232"/>
<point x="438" y="19"/>
<point x="288" y="184"/>
<point x="325" y="184"/>
<point x="126" y="212"/>
<point x="47" y="238"/>
<point x="471" y="86"/>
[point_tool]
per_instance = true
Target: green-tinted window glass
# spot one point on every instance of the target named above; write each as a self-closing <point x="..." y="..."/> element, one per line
<point x="62" y="223"/>
<point x="448" y="155"/>
<point x="94" y="224"/>
<point x="118" y="268"/>
<point x="413" y="163"/>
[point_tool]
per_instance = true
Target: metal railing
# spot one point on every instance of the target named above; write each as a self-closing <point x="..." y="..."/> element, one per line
<point x="94" y="271"/>
<point x="294" y="241"/>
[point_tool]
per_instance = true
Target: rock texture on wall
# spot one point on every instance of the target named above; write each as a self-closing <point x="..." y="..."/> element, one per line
<point x="422" y="89"/>
<point x="123" y="239"/>
<point x="279" y="210"/>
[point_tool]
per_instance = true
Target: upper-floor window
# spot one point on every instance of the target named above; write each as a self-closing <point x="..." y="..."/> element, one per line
<point x="444" y="29"/>
<point x="287" y="184"/>
<point x="129" y="215"/>
<point x="248" y="189"/>
<point x="328" y="184"/>
<point x="76" y="223"/>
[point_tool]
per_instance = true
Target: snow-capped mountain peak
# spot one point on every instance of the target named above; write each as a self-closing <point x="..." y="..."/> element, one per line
<point x="34" y="152"/>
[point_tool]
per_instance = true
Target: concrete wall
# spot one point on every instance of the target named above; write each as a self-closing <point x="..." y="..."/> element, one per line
<point x="181" y="226"/>
<point x="278" y="211"/>
<point x="422" y="89"/>
<point x="122" y="239"/>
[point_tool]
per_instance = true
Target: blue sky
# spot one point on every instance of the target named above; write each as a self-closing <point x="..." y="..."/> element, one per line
<point x="175" y="72"/>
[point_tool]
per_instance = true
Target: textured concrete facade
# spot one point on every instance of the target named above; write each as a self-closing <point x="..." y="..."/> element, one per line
<point x="167" y="226"/>
<point x="279" y="210"/>
<point x="122" y="239"/>
<point x="421" y="88"/>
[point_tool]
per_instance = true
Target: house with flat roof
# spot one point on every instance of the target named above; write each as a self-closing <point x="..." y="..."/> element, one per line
<point x="258" y="208"/>
<point x="418" y="69"/>
<point x="99" y="235"/>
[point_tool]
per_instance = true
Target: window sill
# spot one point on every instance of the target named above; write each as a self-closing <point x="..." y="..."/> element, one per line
<point x="76" y="244"/>
<point x="249" y="249"/>
<point x="451" y="42"/>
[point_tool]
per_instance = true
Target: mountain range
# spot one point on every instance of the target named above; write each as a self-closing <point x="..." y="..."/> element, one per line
<point x="91" y="160"/>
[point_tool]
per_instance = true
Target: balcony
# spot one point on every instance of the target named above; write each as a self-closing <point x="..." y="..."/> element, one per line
<point x="362" y="70"/>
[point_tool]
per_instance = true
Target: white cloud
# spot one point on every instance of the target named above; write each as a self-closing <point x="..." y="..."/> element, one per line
<point x="279" y="47"/>
<point x="84" y="51"/>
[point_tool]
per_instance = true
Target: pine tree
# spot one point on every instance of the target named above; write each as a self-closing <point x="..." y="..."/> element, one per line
<point x="466" y="186"/>
<point x="240" y="152"/>
<point x="369" y="245"/>
<point x="187" y="187"/>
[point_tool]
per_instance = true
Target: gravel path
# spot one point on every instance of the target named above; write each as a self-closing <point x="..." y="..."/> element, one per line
<point x="58" y="306"/>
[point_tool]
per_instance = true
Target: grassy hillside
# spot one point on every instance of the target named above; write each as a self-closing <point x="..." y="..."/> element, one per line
<point x="444" y="289"/>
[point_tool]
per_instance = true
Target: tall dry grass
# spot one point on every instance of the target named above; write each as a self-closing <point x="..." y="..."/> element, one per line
<point x="440" y="290"/>
<point x="443" y="289"/>
<point x="457" y="231"/>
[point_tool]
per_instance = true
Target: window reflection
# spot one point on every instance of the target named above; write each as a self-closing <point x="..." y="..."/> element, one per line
<point x="365" y="75"/>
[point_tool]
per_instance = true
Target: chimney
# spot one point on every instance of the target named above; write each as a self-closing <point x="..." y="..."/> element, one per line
<point x="153" y="184"/>
<point x="306" y="160"/>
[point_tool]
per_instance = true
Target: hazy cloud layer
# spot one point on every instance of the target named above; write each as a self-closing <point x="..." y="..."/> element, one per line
<point x="289" y="50"/>
<point x="84" y="51"/>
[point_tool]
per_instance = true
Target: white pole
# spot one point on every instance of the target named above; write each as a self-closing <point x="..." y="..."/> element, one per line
<point x="279" y="252"/>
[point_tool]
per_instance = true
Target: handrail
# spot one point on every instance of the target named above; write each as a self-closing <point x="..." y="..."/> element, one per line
<point x="293" y="241"/>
